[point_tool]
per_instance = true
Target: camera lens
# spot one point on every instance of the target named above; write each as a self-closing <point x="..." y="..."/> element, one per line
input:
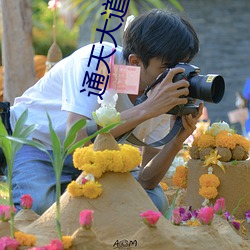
<point x="209" y="88"/>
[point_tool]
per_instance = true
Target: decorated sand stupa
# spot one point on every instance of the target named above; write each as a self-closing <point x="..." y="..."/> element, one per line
<point x="219" y="167"/>
<point x="121" y="214"/>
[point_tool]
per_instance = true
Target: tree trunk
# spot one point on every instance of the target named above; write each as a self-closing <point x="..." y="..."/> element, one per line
<point x="17" y="47"/>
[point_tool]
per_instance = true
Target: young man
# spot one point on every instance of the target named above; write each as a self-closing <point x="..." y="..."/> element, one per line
<point x="154" y="41"/>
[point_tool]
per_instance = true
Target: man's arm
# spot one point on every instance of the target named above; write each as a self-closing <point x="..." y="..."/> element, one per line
<point x="163" y="98"/>
<point x="152" y="172"/>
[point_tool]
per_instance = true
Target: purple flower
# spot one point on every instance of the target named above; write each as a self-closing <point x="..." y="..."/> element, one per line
<point x="247" y="214"/>
<point x="228" y="216"/>
<point x="195" y="214"/>
<point x="236" y="224"/>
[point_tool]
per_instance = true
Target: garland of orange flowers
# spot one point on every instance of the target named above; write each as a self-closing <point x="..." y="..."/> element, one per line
<point x="222" y="139"/>
<point x="208" y="186"/>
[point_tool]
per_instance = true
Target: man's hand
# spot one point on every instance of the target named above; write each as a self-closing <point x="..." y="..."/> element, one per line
<point x="188" y="125"/>
<point x="167" y="94"/>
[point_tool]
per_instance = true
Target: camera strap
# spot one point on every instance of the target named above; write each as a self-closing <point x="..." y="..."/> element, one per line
<point x="131" y="138"/>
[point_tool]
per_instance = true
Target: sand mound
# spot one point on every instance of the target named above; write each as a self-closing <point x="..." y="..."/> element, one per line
<point x="234" y="185"/>
<point x="117" y="223"/>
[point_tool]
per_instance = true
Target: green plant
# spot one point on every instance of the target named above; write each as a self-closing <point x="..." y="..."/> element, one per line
<point x="94" y="8"/>
<point x="9" y="149"/>
<point x="60" y="152"/>
<point x="4" y="191"/>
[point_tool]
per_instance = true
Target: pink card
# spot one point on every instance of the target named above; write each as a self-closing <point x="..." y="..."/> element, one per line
<point x="123" y="78"/>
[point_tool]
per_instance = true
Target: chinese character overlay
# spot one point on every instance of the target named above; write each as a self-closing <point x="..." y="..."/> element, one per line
<point x="97" y="81"/>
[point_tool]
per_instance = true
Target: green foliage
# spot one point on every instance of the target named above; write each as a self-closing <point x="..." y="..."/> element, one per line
<point x="9" y="149"/>
<point x="94" y="8"/>
<point x="42" y="19"/>
<point x="4" y="196"/>
<point x="60" y="152"/>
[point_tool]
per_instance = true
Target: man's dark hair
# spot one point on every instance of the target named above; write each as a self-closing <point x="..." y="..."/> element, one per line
<point x="162" y="34"/>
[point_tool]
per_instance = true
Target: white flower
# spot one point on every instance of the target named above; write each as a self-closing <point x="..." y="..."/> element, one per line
<point x="105" y="116"/>
<point x="217" y="127"/>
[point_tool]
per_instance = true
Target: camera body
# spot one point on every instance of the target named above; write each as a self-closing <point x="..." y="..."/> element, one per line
<point x="209" y="88"/>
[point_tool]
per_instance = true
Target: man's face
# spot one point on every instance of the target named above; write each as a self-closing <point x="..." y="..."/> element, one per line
<point x="149" y="75"/>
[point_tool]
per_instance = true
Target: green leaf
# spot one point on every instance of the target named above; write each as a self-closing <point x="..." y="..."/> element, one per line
<point x="24" y="134"/>
<point x="56" y="147"/>
<point x="20" y="123"/>
<point x="71" y="136"/>
<point x="35" y="144"/>
<point x="5" y="144"/>
<point x="172" y="207"/>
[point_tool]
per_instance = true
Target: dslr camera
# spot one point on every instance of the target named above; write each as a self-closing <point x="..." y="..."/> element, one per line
<point x="209" y="88"/>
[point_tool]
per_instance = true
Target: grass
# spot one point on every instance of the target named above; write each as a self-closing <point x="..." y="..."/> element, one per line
<point x="4" y="193"/>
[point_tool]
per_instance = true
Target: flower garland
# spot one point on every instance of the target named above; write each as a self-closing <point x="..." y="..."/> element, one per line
<point x="95" y="163"/>
<point x="208" y="186"/>
<point x="180" y="177"/>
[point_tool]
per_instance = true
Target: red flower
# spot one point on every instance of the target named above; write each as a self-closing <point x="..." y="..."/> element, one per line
<point x="5" y="212"/>
<point x="26" y="201"/>
<point x="150" y="217"/>
<point x="86" y="218"/>
<point x="8" y="243"/>
<point x="206" y="215"/>
<point x="219" y="206"/>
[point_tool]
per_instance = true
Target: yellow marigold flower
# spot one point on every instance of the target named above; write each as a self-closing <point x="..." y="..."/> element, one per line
<point x="209" y="180"/>
<point x="97" y="162"/>
<point x="92" y="189"/>
<point x="27" y="240"/>
<point x="206" y="141"/>
<point x="67" y="242"/>
<point x="164" y="186"/>
<point x="75" y="189"/>
<point x="226" y="140"/>
<point x="93" y="169"/>
<point x="131" y="157"/>
<point x="83" y="156"/>
<point x="208" y="192"/>
<point x="193" y="223"/>
<point x="180" y="177"/>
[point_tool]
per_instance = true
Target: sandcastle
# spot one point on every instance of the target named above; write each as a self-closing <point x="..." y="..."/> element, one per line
<point x="226" y="153"/>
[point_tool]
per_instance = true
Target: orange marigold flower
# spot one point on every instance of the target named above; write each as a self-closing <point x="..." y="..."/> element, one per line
<point x="24" y="239"/>
<point x="180" y="177"/>
<point x="208" y="192"/>
<point x="225" y="139"/>
<point x="242" y="141"/>
<point x="164" y="186"/>
<point x="195" y="141"/>
<point x="206" y="141"/>
<point x="67" y="242"/>
<point x="209" y="180"/>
